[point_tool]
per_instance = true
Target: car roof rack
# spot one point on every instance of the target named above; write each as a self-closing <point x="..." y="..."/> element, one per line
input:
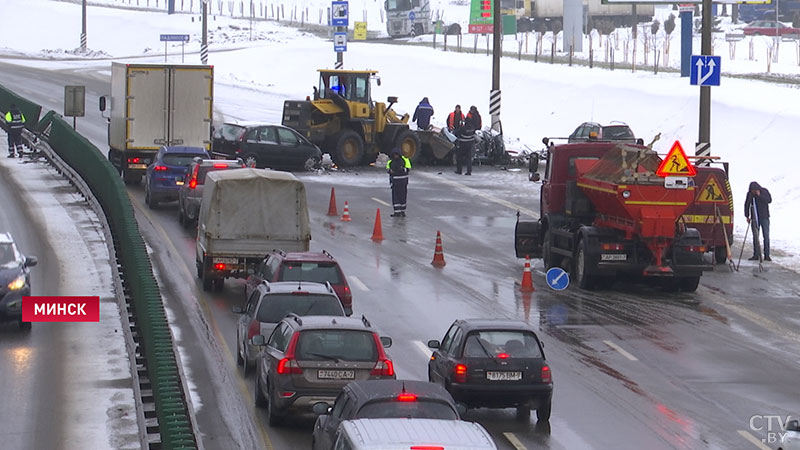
<point x="325" y="252"/>
<point x="330" y="287"/>
<point x="266" y="284"/>
<point x="365" y="321"/>
<point x="296" y="318"/>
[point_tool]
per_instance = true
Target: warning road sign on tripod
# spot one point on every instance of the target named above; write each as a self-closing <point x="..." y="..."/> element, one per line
<point x="676" y="163"/>
<point x="712" y="192"/>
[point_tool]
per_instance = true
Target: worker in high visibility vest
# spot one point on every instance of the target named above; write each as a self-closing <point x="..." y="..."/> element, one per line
<point x="398" y="168"/>
<point x="16" y="122"/>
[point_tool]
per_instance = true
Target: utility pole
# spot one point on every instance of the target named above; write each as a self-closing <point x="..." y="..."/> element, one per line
<point x="494" y="95"/>
<point x="204" y="44"/>
<point x="703" y="147"/>
<point x="83" y="27"/>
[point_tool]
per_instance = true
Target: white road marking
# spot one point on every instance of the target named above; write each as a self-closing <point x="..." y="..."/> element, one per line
<point x="381" y="201"/>
<point x="753" y="440"/>
<point x="478" y="193"/>
<point x="620" y="350"/>
<point x="514" y="440"/>
<point x="423" y="348"/>
<point x="359" y="284"/>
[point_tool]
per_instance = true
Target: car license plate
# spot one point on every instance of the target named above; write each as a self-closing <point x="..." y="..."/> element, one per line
<point x="226" y="260"/>
<point x="336" y="374"/>
<point x="613" y="257"/>
<point x="503" y="376"/>
<point x="137" y="166"/>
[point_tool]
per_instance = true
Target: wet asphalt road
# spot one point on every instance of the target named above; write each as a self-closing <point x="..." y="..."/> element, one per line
<point x="634" y="367"/>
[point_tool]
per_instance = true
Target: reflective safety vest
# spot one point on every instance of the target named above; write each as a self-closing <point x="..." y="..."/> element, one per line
<point x="15" y="120"/>
<point x="397" y="174"/>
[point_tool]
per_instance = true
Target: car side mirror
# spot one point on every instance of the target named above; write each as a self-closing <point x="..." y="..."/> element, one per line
<point x="434" y="344"/>
<point x="386" y="341"/>
<point x="321" y="408"/>
<point x="535" y="176"/>
<point x="237" y="310"/>
<point x="461" y="409"/>
<point x="259" y="340"/>
<point x="31" y="261"/>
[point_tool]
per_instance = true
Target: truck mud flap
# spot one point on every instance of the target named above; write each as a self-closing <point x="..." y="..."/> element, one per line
<point x="527" y="239"/>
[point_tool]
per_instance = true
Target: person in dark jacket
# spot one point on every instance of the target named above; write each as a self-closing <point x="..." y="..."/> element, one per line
<point x="475" y="116"/>
<point x="398" y="168"/>
<point x="756" y="210"/>
<point x="455" y="120"/>
<point x="465" y="146"/>
<point x="423" y="114"/>
<point x="16" y="122"/>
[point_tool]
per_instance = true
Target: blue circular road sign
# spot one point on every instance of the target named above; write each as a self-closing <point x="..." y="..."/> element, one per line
<point x="557" y="278"/>
<point x="411" y="16"/>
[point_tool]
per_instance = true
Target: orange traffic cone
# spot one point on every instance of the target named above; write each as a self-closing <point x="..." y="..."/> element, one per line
<point x="377" y="232"/>
<point x="527" y="280"/>
<point x="346" y="215"/>
<point x="438" y="255"/>
<point x="332" y="211"/>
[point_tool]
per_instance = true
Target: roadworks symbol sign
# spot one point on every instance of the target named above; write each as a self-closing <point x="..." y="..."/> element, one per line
<point x="676" y="163"/>
<point x="712" y="192"/>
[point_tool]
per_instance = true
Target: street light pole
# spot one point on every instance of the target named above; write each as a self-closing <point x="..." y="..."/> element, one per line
<point x="494" y="95"/>
<point x="204" y="45"/>
<point x="83" y="27"/>
<point x="703" y="147"/>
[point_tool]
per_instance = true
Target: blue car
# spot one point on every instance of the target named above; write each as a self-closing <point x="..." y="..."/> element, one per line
<point x="167" y="173"/>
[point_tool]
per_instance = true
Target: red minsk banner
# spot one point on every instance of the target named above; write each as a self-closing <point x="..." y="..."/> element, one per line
<point x="60" y="309"/>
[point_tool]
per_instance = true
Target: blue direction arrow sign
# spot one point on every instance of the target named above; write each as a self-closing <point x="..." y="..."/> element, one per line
<point x="411" y="16"/>
<point x="340" y="14"/>
<point x="174" y="38"/>
<point x="705" y="70"/>
<point x="557" y="278"/>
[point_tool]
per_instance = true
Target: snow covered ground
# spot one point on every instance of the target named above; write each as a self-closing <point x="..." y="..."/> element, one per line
<point x="753" y="122"/>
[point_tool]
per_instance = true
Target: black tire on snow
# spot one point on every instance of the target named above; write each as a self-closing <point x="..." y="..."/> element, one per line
<point x="261" y="401"/>
<point x="543" y="412"/>
<point x="349" y="149"/>
<point x="409" y="145"/>
<point x="689" y="284"/>
<point x="720" y="255"/>
<point x="584" y="281"/>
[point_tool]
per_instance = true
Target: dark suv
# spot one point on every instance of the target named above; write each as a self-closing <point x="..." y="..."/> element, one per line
<point x="494" y="364"/>
<point x="266" y="145"/>
<point x="308" y="360"/>
<point x="319" y="267"/>
<point x="15" y="280"/>
<point x="617" y="131"/>
<point x="382" y="399"/>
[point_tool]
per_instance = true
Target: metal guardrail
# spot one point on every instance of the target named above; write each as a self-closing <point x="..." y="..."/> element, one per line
<point x="165" y="418"/>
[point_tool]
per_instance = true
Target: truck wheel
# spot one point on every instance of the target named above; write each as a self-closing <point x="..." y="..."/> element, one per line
<point x="550" y="260"/>
<point x="219" y="283"/>
<point x="408" y="143"/>
<point x="199" y="267"/>
<point x="720" y="255"/>
<point x="207" y="283"/>
<point x="584" y="280"/>
<point x="349" y="149"/>
<point x="131" y="179"/>
<point x="689" y="284"/>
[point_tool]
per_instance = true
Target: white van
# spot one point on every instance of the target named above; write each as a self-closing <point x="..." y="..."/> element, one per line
<point x="407" y="434"/>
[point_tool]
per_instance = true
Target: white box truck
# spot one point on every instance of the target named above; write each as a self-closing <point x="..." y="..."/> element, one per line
<point x="153" y="105"/>
<point x="245" y="214"/>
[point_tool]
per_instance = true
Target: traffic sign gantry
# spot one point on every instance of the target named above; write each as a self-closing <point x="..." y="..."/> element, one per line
<point x="676" y="163"/>
<point x="557" y="278"/>
<point x="705" y="70"/>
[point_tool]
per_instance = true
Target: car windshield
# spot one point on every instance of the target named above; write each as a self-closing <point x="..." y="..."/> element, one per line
<point x="515" y="344"/>
<point x="8" y="255"/>
<point x="617" y="132"/>
<point x="420" y="409"/>
<point x="203" y="170"/>
<point x="347" y="345"/>
<point x="310" y="271"/>
<point x="276" y="306"/>
<point x="179" y="159"/>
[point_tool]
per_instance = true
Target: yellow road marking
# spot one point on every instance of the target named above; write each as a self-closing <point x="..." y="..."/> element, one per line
<point x="514" y="441"/>
<point x="753" y="440"/>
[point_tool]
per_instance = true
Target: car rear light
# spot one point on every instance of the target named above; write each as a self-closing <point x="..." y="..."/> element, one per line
<point x="288" y="365"/>
<point x="696" y="248"/>
<point x="547" y="377"/>
<point x="503" y="356"/>
<point x="347" y="296"/>
<point x="160" y="168"/>
<point x="253" y="329"/>
<point x="193" y="183"/>
<point x="287" y="394"/>
<point x="383" y="368"/>
<point x="460" y="373"/>
<point x="406" y="398"/>
<point x="613" y="247"/>
<point x="220" y="166"/>
<point x="134" y="160"/>
<point x="219" y="266"/>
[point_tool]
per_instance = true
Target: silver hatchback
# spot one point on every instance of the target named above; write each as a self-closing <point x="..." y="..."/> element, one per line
<point x="191" y="192"/>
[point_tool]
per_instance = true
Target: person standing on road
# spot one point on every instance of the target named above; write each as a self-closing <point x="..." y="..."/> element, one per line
<point x="398" y="168"/>
<point x="475" y="116"/>
<point x="756" y="211"/>
<point x="465" y="146"/>
<point x="423" y="114"/>
<point x="455" y="120"/>
<point x="16" y="122"/>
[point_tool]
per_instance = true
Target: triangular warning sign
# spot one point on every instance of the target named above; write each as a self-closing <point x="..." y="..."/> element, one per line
<point x="676" y="163"/>
<point x="712" y="192"/>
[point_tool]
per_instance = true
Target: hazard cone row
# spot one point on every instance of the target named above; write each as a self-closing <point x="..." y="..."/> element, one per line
<point x="438" y="254"/>
<point x="377" y="231"/>
<point x="527" y="279"/>
<point x="346" y="214"/>
<point x="332" y="211"/>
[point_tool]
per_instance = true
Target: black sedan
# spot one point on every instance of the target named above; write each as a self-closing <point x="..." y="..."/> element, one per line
<point x="15" y="280"/>
<point x="382" y="399"/>
<point x="494" y="364"/>
<point x="266" y="146"/>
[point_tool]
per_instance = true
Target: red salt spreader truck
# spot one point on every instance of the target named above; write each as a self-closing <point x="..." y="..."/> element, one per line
<point x="605" y="213"/>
